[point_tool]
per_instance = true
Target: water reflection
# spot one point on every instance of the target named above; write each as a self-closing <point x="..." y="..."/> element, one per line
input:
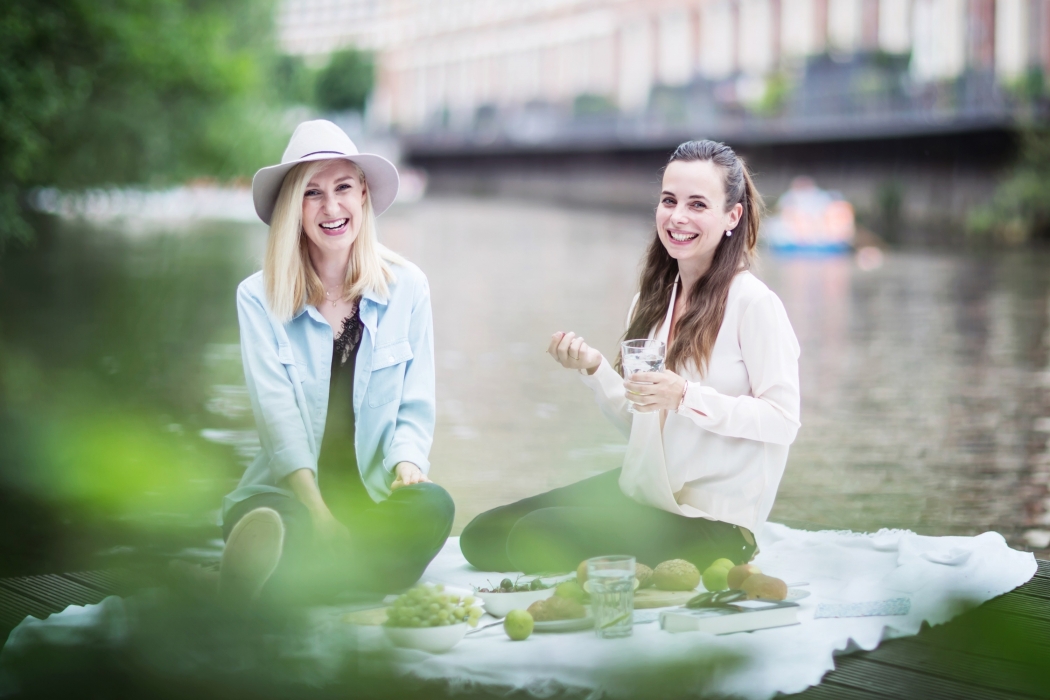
<point x="918" y="392"/>
<point x="124" y="415"/>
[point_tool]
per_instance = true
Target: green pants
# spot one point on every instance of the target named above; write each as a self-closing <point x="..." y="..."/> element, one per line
<point x="555" y="531"/>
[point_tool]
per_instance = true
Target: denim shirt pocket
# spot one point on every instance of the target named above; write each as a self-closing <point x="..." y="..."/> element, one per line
<point x="388" y="372"/>
<point x="287" y="358"/>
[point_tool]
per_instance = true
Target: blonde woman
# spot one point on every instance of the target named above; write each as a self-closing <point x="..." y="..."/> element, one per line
<point x="709" y="442"/>
<point x="337" y="345"/>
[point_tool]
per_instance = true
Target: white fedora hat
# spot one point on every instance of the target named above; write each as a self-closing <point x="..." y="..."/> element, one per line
<point x="322" y="140"/>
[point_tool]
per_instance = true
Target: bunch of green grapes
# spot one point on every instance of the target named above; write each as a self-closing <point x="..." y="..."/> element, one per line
<point x="431" y="606"/>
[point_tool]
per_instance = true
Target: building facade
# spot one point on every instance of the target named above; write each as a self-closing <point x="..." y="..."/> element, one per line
<point x="444" y="62"/>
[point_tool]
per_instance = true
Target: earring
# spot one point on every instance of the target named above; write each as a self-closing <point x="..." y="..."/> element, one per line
<point x="729" y="233"/>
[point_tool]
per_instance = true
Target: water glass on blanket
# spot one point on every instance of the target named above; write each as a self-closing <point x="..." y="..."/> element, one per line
<point x="644" y="355"/>
<point x="610" y="581"/>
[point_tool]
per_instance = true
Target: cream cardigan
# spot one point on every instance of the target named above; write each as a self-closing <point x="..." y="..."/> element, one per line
<point x="722" y="455"/>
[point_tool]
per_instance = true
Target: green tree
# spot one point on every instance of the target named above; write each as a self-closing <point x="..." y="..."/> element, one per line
<point x="344" y="84"/>
<point x="113" y="92"/>
<point x="293" y="80"/>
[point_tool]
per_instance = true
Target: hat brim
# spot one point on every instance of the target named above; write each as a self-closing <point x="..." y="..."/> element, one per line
<point x="381" y="179"/>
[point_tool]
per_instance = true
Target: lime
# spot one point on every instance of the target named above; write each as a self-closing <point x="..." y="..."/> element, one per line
<point x="724" y="563"/>
<point x="518" y="625"/>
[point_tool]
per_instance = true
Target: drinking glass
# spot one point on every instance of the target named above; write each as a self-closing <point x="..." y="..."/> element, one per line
<point x="610" y="581"/>
<point x="644" y="355"/>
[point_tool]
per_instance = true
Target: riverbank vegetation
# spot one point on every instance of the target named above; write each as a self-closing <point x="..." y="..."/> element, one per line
<point x="102" y="431"/>
<point x="148" y="93"/>
<point x="1020" y="208"/>
<point x="115" y="92"/>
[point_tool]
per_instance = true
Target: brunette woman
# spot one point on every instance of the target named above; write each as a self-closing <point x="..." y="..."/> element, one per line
<point x="337" y="344"/>
<point x="708" y="444"/>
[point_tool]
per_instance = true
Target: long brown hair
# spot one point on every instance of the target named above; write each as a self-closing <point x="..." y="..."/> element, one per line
<point x="697" y="328"/>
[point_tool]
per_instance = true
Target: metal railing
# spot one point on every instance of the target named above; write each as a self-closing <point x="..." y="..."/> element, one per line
<point x="864" y="98"/>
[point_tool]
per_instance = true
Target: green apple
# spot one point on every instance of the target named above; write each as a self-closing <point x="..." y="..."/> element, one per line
<point x="570" y="589"/>
<point x="716" y="578"/>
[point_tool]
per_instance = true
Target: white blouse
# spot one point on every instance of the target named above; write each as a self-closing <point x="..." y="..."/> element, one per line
<point x="722" y="455"/>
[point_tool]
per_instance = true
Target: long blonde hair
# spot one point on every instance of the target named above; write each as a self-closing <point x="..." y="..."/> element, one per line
<point x="290" y="278"/>
<point x="697" y="329"/>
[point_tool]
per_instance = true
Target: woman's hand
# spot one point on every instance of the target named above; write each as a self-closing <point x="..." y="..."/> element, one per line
<point x="408" y="474"/>
<point x="570" y="350"/>
<point x="655" y="391"/>
<point x="330" y="533"/>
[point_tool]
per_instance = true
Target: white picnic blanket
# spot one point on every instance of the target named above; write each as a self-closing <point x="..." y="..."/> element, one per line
<point x="935" y="573"/>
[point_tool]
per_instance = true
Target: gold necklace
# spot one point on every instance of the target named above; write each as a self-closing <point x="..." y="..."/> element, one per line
<point x="328" y="295"/>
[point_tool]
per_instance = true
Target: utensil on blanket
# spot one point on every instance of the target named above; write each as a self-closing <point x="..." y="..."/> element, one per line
<point x="485" y="627"/>
<point x="572" y="625"/>
<point x="892" y="606"/>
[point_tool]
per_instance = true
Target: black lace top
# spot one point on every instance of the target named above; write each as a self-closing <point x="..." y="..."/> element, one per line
<point x="348" y="340"/>
<point x="338" y="474"/>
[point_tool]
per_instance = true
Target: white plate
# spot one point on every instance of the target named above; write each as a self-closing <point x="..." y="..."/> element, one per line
<point x="499" y="604"/>
<point x="435" y="640"/>
<point x="579" y="623"/>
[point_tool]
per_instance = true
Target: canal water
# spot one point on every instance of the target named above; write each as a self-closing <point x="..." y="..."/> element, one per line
<point x="124" y="418"/>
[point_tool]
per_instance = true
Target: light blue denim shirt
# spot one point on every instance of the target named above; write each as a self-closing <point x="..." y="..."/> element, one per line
<point x="288" y="368"/>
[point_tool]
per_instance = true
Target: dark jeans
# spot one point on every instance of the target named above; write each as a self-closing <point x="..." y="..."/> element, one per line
<point x="391" y="543"/>
<point x="555" y="531"/>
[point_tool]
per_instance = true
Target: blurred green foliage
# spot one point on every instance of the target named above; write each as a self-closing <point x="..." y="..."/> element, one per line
<point x="1031" y="86"/>
<point x="293" y="80"/>
<point x="889" y="210"/>
<point x="344" y="84"/>
<point x="111" y="92"/>
<point x="110" y="350"/>
<point x="777" y="90"/>
<point x="104" y="344"/>
<point x="1020" y="207"/>
<point x="590" y="104"/>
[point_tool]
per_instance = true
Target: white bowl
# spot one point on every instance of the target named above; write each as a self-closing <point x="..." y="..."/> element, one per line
<point x="436" y="640"/>
<point x="499" y="604"/>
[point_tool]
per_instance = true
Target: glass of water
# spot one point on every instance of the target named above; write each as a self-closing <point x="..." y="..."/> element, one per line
<point x="645" y="355"/>
<point x="610" y="581"/>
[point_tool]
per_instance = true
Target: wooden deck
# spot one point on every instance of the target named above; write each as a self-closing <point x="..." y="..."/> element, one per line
<point x="41" y="596"/>
<point x="999" y="650"/>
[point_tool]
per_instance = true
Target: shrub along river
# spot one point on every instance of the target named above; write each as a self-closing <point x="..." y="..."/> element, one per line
<point x="124" y="417"/>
